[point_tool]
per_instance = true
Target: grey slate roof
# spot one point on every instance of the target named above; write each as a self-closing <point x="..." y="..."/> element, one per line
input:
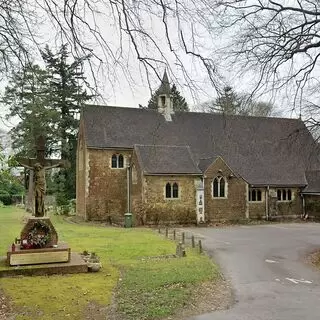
<point x="264" y="151"/>
<point x="155" y="159"/>
<point x="313" y="179"/>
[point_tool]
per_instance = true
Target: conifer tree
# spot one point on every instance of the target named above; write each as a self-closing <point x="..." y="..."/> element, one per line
<point x="67" y="96"/>
<point x="179" y="102"/>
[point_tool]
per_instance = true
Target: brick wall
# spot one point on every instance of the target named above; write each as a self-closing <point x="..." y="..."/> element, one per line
<point x="234" y="206"/>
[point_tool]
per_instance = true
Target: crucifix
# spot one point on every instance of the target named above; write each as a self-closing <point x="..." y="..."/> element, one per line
<point x="39" y="165"/>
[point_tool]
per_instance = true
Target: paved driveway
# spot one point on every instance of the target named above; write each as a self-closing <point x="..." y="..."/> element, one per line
<point x="266" y="267"/>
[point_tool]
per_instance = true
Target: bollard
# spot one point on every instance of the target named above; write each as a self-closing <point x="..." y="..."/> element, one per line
<point x="183" y="237"/>
<point x="166" y="232"/>
<point x="192" y="241"/>
<point x="159" y="230"/>
<point x="174" y="234"/>
<point x="200" y="246"/>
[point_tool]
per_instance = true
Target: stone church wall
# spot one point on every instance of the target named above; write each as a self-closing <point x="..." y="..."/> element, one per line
<point x="81" y="175"/>
<point x="257" y="210"/>
<point x="138" y="207"/>
<point x="233" y="207"/>
<point x="289" y="208"/>
<point x="161" y="210"/>
<point x="312" y="206"/>
<point x="107" y="193"/>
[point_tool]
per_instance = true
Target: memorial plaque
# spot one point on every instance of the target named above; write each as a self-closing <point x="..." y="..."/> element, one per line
<point x="39" y="257"/>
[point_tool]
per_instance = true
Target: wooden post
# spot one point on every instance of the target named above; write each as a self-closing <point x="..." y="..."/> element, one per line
<point x="159" y="230"/>
<point x="200" y="246"/>
<point x="166" y="232"/>
<point x="183" y="237"/>
<point x="174" y="234"/>
<point x="192" y="241"/>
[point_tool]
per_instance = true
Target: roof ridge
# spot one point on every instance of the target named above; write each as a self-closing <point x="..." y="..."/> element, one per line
<point x="194" y="112"/>
<point x="162" y="145"/>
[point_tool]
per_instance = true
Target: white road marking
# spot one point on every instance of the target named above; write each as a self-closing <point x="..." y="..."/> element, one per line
<point x="271" y="261"/>
<point x="296" y="281"/>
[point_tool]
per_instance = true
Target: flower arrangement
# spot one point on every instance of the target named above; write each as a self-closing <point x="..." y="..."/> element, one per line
<point x="38" y="237"/>
<point x="92" y="260"/>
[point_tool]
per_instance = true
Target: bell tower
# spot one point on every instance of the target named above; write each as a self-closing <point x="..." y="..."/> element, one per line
<point x="165" y="106"/>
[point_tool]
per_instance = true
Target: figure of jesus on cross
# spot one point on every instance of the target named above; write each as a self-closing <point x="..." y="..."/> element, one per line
<point x="39" y="165"/>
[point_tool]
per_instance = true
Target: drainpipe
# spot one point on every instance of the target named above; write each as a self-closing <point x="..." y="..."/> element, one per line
<point x="128" y="188"/>
<point x="303" y="206"/>
<point x="267" y="203"/>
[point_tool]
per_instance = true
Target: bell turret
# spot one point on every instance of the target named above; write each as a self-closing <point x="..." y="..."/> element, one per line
<point x="164" y="98"/>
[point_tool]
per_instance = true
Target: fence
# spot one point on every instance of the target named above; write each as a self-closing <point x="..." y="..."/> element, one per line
<point x="186" y="238"/>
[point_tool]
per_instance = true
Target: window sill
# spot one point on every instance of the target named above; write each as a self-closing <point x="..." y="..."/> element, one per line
<point x="220" y="198"/>
<point x="171" y="199"/>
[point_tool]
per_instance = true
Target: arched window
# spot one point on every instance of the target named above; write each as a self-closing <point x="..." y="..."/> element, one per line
<point x="117" y="161"/>
<point x="222" y="188"/>
<point x="215" y="187"/>
<point x="175" y="190"/>
<point x="168" y="190"/>
<point x="114" y="161"/>
<point x="172" y="190"/>
<point x="120" y="161"/>
<point x="219" y="186"/>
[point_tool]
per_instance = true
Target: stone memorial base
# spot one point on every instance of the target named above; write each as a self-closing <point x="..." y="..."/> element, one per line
<point x="75" y="265"/>
<point x="20" y="257"/>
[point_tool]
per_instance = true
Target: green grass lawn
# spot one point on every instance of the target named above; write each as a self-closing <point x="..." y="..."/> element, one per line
<point x="144" y="288"/>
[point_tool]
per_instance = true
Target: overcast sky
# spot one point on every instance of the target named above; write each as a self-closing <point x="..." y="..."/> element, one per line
<point x="126" y="84"/>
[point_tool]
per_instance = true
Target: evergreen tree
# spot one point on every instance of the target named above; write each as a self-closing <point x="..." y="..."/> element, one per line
<point x="179" y="102"/>
<point x="48" y="102"/>
<point x="27" y="97"/>
<point x="232" y="103"/>
<point x="67" y="96"/>
<point x="229" y="102"/>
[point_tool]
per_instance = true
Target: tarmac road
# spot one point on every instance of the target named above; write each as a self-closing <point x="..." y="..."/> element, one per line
<point x="267" y="269"/>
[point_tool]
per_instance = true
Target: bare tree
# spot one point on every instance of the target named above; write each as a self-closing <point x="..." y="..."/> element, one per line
<point x="157" y="33"/>
<point x="279" y="40"/>
<point x="229" y="102"/>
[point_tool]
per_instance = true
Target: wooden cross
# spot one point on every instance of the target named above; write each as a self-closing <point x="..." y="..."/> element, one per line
<point x="39" y="165"/>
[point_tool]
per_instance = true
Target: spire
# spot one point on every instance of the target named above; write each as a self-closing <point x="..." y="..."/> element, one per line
<point x="164" y="98"/>
<point x="165" y="85"/>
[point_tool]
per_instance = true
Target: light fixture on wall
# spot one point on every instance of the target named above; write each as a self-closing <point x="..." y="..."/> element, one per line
<point x="231" y="175"/>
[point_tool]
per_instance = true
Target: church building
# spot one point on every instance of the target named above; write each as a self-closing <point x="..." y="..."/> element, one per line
<point x="189" y="167"/>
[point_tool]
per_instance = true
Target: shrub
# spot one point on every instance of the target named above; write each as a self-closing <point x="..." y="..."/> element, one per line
<point x="6" y="199"/>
